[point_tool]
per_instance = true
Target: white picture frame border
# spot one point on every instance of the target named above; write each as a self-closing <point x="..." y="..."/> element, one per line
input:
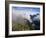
<point x="25" y="32"/>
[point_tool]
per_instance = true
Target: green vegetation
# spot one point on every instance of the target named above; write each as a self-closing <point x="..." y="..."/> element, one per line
<point x="21" y="27"/>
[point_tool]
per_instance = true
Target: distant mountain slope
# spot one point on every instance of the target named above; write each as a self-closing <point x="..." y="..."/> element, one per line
<point x="36" y="21"/>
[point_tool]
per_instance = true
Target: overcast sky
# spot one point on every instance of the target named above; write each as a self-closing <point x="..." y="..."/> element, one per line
<point x="25" y="11"/>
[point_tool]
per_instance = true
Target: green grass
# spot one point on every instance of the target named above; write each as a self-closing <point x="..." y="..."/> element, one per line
<point x="21" y="27"/>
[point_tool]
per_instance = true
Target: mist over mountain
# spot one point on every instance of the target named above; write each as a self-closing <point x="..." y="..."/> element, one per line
<point x="28" y="18"/>
<point x="34" y="19"/>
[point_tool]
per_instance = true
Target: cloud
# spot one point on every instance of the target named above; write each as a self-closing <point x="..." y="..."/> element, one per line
<point x="24" y="12"/>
